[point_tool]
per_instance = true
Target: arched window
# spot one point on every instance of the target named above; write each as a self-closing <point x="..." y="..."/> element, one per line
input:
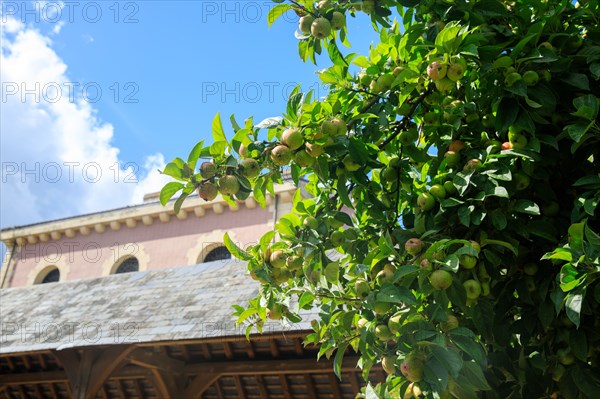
<point x="52" y="276"/>
<point x="128" y="265"/>
<point x="218" y="253"/>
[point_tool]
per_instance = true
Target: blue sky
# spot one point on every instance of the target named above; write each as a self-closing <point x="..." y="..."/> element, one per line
<point x="96" y="95"/>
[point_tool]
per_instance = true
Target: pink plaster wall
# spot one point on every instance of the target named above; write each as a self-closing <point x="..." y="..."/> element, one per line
<point x="166" y="244"/>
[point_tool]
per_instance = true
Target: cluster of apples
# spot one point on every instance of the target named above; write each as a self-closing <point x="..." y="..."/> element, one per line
<point x="446" y="74"/>
<point x="323" y="21"/>
<point x="529" y="77"/>
<point x="226" y="183"/>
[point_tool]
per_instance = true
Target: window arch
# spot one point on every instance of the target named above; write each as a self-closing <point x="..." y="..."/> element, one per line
<point x="217" y="253"/>
<point x="51" y="274"/>
<point x="129" y="265"/>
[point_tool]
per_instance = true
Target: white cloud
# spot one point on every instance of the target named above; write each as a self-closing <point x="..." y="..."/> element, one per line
<point x="57" y="157"/>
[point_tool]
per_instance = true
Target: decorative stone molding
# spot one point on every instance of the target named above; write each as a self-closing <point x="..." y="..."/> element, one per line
<point x="206" y="243"/>
<point x="130" y="216"/>
<point x="121" y="252"/>
<point x="44" y="266"/>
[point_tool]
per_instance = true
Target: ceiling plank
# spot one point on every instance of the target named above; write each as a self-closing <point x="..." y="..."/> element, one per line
<point x="219" y="390"/>
<point x="227" y="350"/>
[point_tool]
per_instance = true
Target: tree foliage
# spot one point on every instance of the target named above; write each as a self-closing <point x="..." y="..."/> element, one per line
<point x="451" y="229"/>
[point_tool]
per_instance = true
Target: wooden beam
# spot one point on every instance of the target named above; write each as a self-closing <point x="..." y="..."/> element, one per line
<point x="250" y="350"/>
<point x="200" y="384"/>
<point x="260" y="382"/>
<point x="53" y="391"/>
<point x="239" y="387"/>
<point x="53" y="377"/>
<point x="88" y="369"/>
<point x="152" y="360"/>
<point x="335" y="386"/>
<point x="310" y="386"/>
<point x="220" y="394"/>
<point x="138" y="388"/>
<point x="271" y="367"/>
<point x="171" y="385"/>
<point x="354" y="382"/>
<point x="274" y="348"/>
<point x="287" y="393"/>
<point x="227" y="350"/>
<point x="119" y="385"/>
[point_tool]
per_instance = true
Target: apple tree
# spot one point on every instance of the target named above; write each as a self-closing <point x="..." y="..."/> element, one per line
<point x="449" y="229"/>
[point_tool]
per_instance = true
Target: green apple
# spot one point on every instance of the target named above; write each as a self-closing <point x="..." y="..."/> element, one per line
<point x="565" y="356"/>
<point x="388" y="364"/>
<point x="383" y="333"/>
<point x="294" y="262"/>
<point x="281" y="155"/>
<point x="249" y="168"/>
<point x="450" y="188"/>
<point x="450" y="324"/>
<point x="394" y="323"/>
<point x="455" y="72"/>
<point x="334" y="127"/>
<point x="385" y="81"/>
<point x="468" y="261"/>
<point x="530" y="269"/>
<point x="304" y="160"/>
<point x="350" y="164"/>
<point x="314" y="150"/>
<point x="452" y="158"/>
<point x="207" y="191"/>
<point x="381" y="308"/>
<point x="338" y="20"/>
<point x="503" y="62"/>
<point x="368" y="6"/>
<point x="456" y="146"/>
<point x="229" y="185"/>
<point x="517" y="140"/>
<point x="389" y="174"/>
<point x="409" y="136"/>
<point x="208" y="170"/>
<point x="472" y="165"/>
<point x="473" y="288"/>
<point x="438" y="191"/>
<point x="332" y="272"/>
<point x="278" y="259"/>
<point x="414" y="246"/>
<point x="445" y="85"/>
<point x="292" y="138"/>
<point x="440" y="279"/>
<point x="274" y="312"/>
<point x="412" y="367"/>
<point x="337" y="238"/>
<point x="522" y="181"/>
<point x="436" y="70"/>
<point x="320" y="28"/>
<point x="305" y="23"/>
<point x="425" y="201"/>
<point x="485" y="288"/>
<point x="558" y="372"/>
<point x="362" y="288"/>
<point x="487" y="120"/>
<point x="323" y="6"/>
<point x="386" y="274"/>
<point x="512" y="78"/>
<point x="311" y="222"/>
<point x="531" y="78"/>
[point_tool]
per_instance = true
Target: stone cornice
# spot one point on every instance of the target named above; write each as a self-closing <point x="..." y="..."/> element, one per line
<point x="130" y="217"/>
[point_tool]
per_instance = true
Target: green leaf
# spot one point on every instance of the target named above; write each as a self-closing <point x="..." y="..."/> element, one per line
<point x="169" y="190"/>
<point x="173" y="170"/>
<point x="195" y="155"/>
<point x="337" y="361"/>
<point x="217" y="129"/>
<point x="448" y="40"/>
<point x="234" y="249"/>
<point x="179" y="202"/>
<point x="473" y="374"/>
<point x="577" y="80"/>
<point x="507" y="113"/>
<point x="526" y="206"/>
<point x="276" y="12"/>
<point x="449" y="358"/>
<point x="396" y="294"/>
<point x="573" y="306"/>
<point x="587" y="107"/>
<point x="499" y="219"/>
<point x="576" y="236"/>
<point x="307" y="298"/>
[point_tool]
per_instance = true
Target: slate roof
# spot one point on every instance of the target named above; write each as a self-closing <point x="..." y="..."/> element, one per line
<point x="188" y="302"/>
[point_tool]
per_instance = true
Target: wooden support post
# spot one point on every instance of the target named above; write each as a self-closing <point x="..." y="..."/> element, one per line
<point x="88" y="369"/>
